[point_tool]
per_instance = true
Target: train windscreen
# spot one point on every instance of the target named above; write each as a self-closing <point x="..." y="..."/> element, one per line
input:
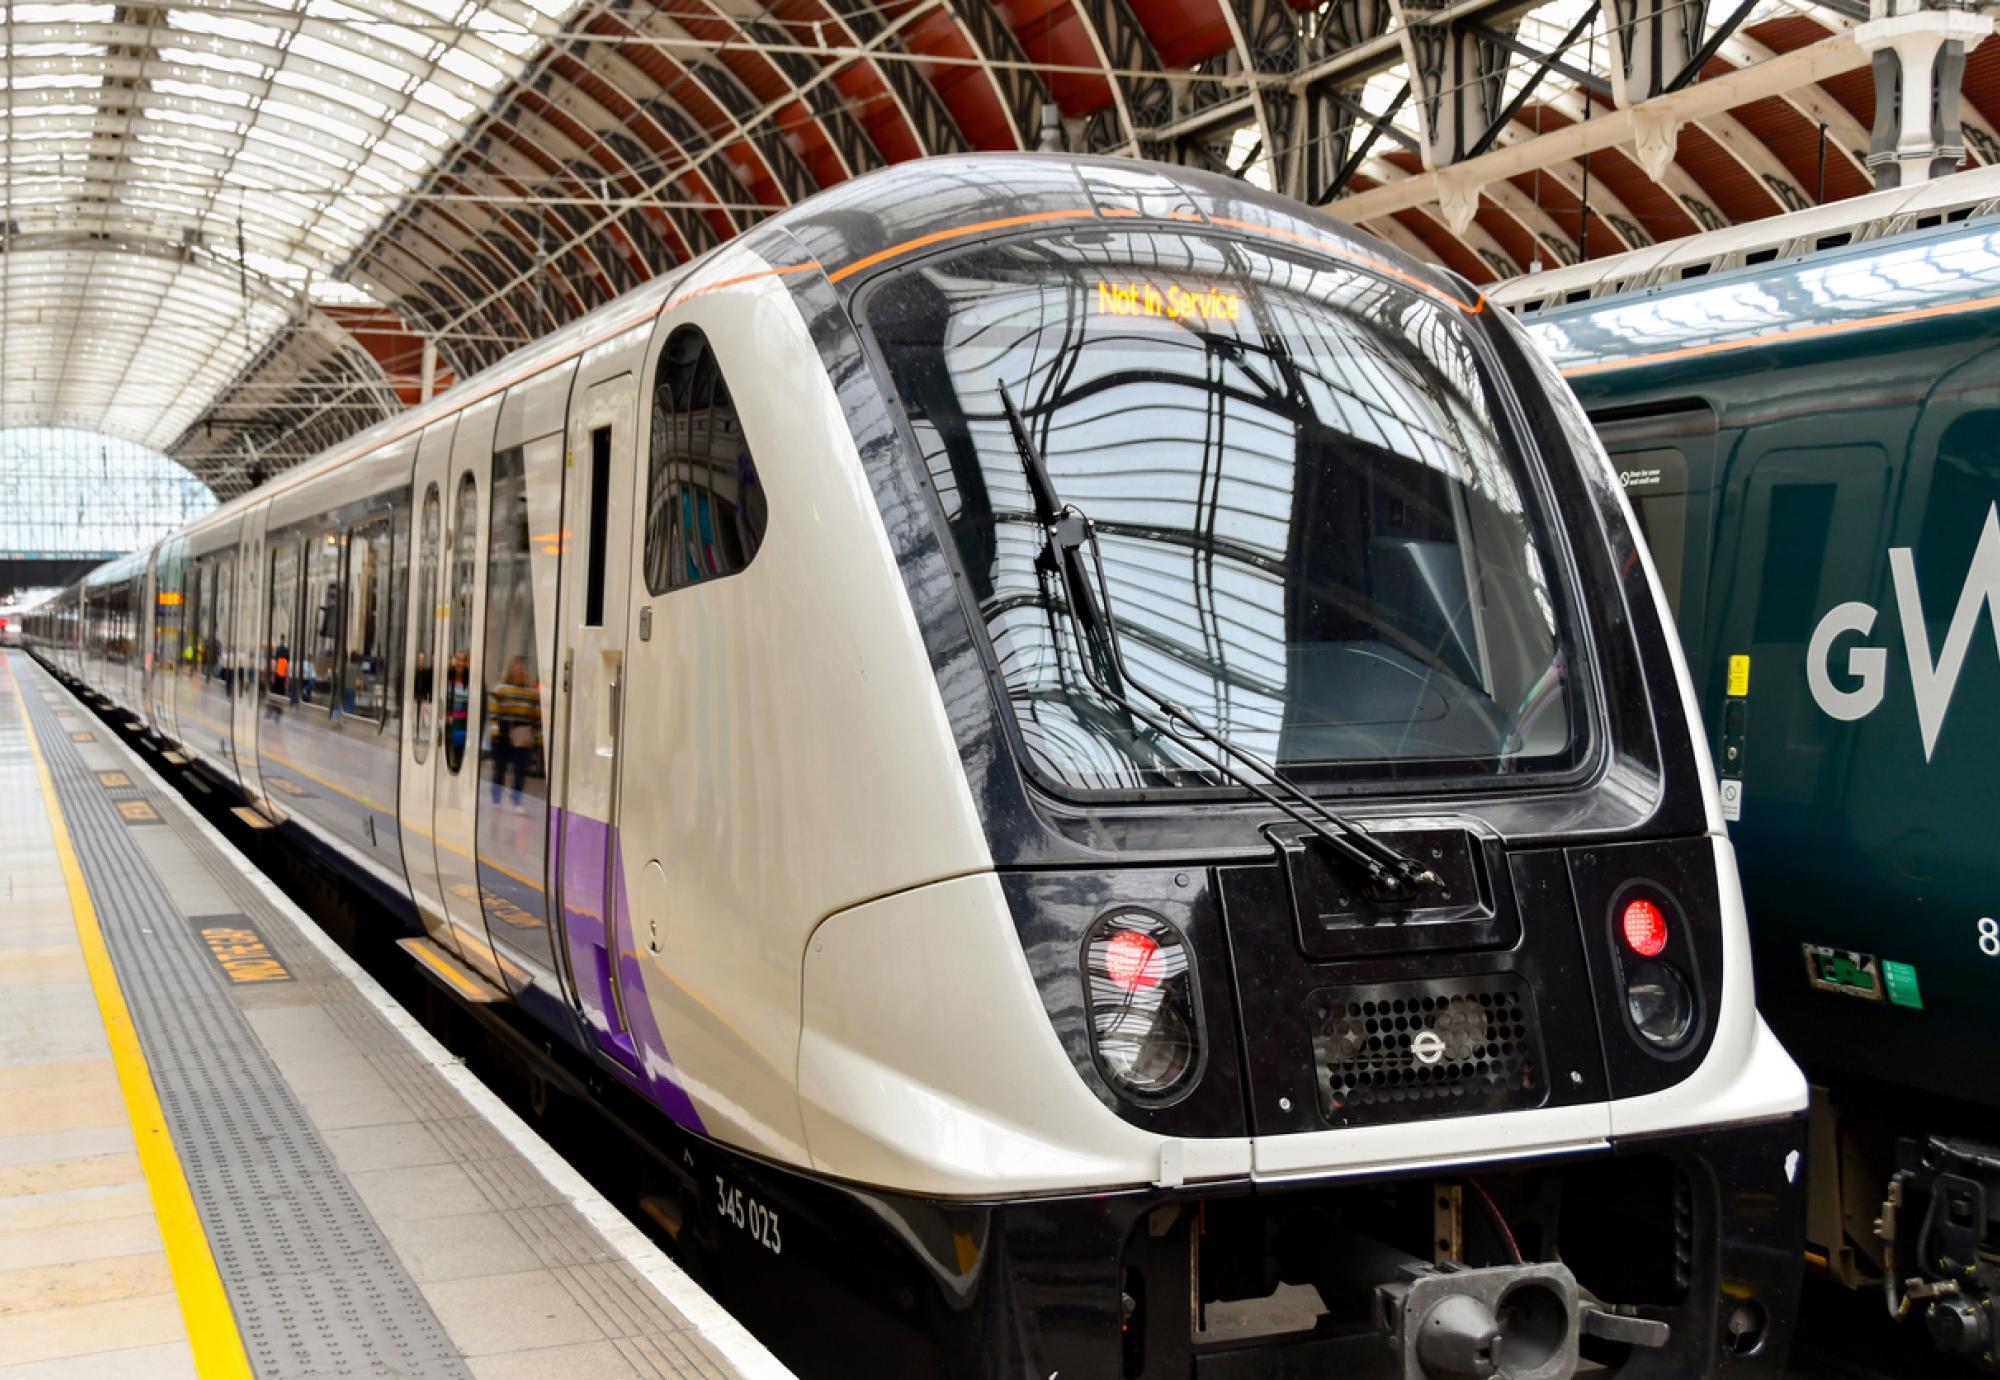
<point x="1315" y="533"/>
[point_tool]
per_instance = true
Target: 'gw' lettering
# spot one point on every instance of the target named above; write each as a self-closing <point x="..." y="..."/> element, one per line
<point x="1931" y="681"/>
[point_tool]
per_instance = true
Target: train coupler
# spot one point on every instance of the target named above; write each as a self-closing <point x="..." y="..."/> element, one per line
<point x="1500" y="1322"/>
<point x="1941" y="1223"/>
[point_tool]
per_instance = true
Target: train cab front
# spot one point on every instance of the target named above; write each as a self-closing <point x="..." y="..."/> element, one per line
<point x="1361" y="985"/>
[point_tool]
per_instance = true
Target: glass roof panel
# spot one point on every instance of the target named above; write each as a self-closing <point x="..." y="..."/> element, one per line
<point x="290" y="128"/>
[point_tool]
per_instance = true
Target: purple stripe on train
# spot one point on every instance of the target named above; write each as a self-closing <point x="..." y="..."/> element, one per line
<point x="590" y="845"/>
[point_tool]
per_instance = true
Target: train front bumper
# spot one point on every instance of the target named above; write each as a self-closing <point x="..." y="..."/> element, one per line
<point x="1690" y="1241"/>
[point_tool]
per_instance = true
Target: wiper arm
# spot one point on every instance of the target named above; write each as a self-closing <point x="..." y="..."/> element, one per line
<point x="1067" y="531"/>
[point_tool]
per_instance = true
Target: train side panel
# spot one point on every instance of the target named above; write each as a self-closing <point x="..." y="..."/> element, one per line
<point x="1836" y="594"/>
<point x="327" y="726"/>
<point x="792" y="721"/>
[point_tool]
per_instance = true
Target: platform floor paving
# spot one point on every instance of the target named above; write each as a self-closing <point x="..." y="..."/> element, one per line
<point x="223" y="1153"/>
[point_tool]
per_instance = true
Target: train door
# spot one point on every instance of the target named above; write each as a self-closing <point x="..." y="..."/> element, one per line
<point x="597" y="526"/>
<point x="461" y="692"/>
<point x="246" y="651"/>
<point x="418" y="765"/>
<point x="170" y="609"/>
<point x="1806" y="521"/>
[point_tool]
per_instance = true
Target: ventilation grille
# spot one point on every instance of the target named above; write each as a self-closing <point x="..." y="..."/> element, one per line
<point x="1411" y="1051"/>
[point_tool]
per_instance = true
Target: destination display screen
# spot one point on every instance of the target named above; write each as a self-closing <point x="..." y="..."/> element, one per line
<point x="1170" y="301"/>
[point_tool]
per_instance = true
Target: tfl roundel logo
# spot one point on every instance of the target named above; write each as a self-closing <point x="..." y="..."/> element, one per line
<point x="1427" y="1046"/>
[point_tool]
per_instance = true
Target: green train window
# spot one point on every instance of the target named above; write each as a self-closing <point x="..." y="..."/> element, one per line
<point x="1656" y="483"/>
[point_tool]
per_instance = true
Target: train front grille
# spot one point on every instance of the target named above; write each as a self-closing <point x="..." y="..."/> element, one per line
<point x="1413" y="1051"/>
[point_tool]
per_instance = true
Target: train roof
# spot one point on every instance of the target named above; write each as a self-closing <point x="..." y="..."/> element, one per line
<point x="1878" y="215"/>
<point x="850" y="227"/>
<point x="1860" y="283"/>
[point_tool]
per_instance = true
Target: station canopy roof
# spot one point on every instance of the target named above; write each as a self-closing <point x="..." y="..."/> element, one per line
<point x="229" y="224"/>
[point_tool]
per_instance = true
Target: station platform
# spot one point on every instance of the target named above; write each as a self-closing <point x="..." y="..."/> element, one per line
<point x="226" y="1152"/>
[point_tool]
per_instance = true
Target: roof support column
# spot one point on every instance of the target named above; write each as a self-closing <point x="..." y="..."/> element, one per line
<point x="1918" y="49"/>
<point x="430" y="370"/>
<point x="1458" y="72"/>
<point x="1652" y="44"/>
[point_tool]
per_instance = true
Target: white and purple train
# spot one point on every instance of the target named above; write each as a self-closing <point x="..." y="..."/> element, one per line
<point x="1098" y="743"/>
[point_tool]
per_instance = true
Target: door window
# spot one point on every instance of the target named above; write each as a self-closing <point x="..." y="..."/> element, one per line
<point x="319" y="653"/>
<point x="281" y="649"/>
<point x="1656" y="484"/>
<point x="464" y="575"/>
<point x="197" y="577"/>
<point x="366" y="647"/>
<point x="512" y="738"/>
<point x="223" y="631"/>
<point x="424" y="607"/>
<point x="600" y="520"/>
<point x="705" y="510"/>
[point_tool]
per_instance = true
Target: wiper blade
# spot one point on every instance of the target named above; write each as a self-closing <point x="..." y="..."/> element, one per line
<point x="1067" y="531"/>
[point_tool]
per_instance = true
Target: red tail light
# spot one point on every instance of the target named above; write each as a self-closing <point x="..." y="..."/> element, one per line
<point x="1145" y="1009"/>
<point x="1132" y="960"/>
<point x="1645" y="928"/>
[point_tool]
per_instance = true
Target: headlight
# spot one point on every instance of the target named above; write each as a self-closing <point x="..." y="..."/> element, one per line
<point x="1659" y="1003"/>
<point x="1145" y="1009"/>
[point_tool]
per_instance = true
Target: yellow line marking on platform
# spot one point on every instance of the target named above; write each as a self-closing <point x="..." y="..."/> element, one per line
<point x="211" y="1326"/>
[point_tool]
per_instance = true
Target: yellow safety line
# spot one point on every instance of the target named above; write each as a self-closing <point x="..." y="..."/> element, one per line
<point x="211" y="1325"/>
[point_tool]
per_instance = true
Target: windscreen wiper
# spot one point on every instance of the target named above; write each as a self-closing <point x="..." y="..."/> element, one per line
<point x="1067" y="531"/>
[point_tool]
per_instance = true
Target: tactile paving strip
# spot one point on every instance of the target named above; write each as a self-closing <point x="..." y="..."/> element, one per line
<point x="316" y="1289"/>
<point x="650" y="1334"/>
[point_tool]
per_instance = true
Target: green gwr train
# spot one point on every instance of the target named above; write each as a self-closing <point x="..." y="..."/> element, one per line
<point x="1805" y="414"/>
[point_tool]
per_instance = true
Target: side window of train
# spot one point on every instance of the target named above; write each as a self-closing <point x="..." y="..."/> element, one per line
<point x="511" y="737"/>
<point x="1656" y="483"/>
<point x="1667" y="457"/>
<point x="464" y="576"/>
<point x="193" y="610"/>
<point x="705" y="506"/>
<point x="169" y="603"/>
<point x="223" y="630"/>
<point x="281" y="637"/>
<point x="319" y="634"/>
<point x="423" y="607"/>
<point x="364" y="676"/>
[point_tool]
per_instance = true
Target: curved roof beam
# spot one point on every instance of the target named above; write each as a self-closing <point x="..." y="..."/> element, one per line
<point x="695" y="161"/>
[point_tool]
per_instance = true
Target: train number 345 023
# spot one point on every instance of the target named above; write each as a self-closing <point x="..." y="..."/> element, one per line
<point x="749" y="1215"/>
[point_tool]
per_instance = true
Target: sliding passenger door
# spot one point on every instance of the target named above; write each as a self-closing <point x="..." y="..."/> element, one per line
<point x="247" y="648"/>
<point x="461" y="688"/>
<point x="597" y="529"/>
<point x="416" y="790"/>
